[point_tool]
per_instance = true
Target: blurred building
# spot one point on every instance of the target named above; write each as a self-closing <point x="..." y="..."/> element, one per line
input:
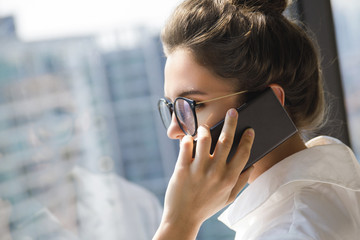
<point x="65" y="103"/>
<point x="7" y="27"/>
<point x="49" y="121"/>
<point x="135" y="81"/>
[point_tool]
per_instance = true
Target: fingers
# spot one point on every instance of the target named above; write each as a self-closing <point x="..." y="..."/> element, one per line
<point x="202" y="153"/>
<point x="185" y="153"/>
<point x="240" y="184"/>
<point x="222" y="149"/>
<point x="226" y="137"/>
<point x="242" y="154"/>
<point x="203" y="146"/>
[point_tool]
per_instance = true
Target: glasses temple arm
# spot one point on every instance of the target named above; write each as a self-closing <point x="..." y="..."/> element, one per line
<point x="218" y="98"/>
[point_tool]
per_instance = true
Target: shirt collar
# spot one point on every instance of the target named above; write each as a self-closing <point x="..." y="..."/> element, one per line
<point x="322" y="162"/>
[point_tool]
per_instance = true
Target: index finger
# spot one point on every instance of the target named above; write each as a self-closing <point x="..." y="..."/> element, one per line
<point x="185" y="152"/>
<point x="226" y="138"/>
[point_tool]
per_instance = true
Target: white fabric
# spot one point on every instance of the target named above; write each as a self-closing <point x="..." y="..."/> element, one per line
<point x="313" y="194"/>
<point x="108" y="208"/>
<point x="112" y="208"/>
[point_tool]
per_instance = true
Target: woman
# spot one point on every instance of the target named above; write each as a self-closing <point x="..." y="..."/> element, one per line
<point x="217" y="52"/>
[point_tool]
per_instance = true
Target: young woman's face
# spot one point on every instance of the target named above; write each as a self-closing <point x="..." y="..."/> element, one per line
<point x="184" y="77"/>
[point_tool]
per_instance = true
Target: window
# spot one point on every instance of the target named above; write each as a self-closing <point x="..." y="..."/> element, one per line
<point x="346" y="19"/>
<point x="83" y="153"/>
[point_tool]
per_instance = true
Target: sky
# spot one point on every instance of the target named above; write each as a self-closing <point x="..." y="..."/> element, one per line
<point x="43" y="19"/>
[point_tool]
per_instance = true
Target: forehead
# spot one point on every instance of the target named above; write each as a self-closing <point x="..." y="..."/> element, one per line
<point x="184" y="74"/>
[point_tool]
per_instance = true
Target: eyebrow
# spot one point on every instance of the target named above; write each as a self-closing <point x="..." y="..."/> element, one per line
<point x="189" y="93"/>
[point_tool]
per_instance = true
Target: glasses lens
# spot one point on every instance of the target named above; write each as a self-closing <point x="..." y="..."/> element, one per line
<point x="185" y="115"/>
<point x="165" y="112"/>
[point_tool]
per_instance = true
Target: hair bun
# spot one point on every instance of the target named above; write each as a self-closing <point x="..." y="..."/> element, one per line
<point x="266" y="6"/>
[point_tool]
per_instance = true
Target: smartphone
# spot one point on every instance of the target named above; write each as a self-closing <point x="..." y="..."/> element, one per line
<point x="265" y="114"/>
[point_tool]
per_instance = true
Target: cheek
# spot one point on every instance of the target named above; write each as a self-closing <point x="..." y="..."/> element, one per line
<point x="211" y="116"/>
<point x="214" y="113"/>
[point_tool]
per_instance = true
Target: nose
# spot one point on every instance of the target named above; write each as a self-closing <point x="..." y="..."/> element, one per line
<point x="174" y="131"/>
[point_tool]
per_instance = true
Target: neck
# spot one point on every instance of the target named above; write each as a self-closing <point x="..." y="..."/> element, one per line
<point x="291" y="146"/>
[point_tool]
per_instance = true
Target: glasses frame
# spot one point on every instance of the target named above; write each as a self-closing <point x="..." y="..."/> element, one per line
<point x="192" y="104"/>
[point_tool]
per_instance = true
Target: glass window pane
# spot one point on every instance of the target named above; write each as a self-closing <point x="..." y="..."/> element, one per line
<point x="347" y="28"/>
<point x="83" y="151"/>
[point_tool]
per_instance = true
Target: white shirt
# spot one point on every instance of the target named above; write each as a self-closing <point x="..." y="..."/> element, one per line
<point x="313" y="194"/>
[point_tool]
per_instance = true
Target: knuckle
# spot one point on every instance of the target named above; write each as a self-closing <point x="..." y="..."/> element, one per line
<point x="216" y="179"/>
<point x="203" y="134"/>
<point x="185" y="143"/>
<point x="203" y="138"/>
<point x="214" y="176"/>
<point x="225" y="140"/>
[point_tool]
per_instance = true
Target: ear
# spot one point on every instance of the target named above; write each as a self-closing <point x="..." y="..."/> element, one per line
<point x="279" y="92"/>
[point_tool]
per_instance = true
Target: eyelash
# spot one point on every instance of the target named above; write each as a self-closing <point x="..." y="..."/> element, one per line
<point x="199" y="106"/>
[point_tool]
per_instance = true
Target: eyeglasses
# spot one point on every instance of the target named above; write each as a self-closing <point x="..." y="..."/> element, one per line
<point x="185" y="113"/>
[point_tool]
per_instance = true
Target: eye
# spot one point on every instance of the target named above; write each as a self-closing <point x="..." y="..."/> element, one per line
<point x="199" y="106"/>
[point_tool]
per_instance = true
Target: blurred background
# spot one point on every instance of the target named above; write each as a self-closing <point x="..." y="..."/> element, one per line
<point x="80" y="136"/>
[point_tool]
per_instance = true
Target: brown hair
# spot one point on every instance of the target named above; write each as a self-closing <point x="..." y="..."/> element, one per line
<point x="253" y="42"/>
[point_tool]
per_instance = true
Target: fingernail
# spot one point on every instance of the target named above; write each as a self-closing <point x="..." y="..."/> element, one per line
<point x="250" y="132"/>
<point x="232" y="112"/>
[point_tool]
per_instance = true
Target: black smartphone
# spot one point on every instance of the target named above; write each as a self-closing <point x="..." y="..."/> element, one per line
<point x="265" y="114"/>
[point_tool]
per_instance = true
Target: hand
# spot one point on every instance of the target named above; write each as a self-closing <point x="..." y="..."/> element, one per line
<point x="202" y="186"/>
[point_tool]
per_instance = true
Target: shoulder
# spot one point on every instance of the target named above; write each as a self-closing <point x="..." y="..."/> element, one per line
<point x="312" y="193"/>
<point x="327" y="207"/>
<point x="317" y="211"/>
